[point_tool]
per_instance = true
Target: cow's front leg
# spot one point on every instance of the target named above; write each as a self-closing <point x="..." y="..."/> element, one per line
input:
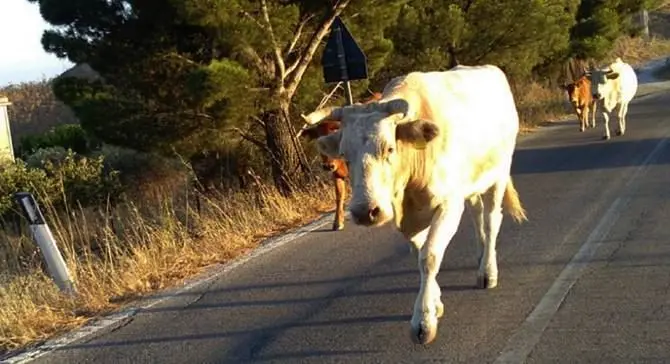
<point x="580" y="115"/>
<point x="417" y="240"/>
<point x="487" y="276"/>
<point x="593" y="114"/>
<point x="606" y="124"/>
<point x="340" y="190"/>
<point x="428" y="305"/>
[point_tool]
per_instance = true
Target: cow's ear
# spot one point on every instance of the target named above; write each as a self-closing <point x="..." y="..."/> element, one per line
<point x="417" y="132"/>
<point x="330" y="144"/>
<point x="612" y="75"/>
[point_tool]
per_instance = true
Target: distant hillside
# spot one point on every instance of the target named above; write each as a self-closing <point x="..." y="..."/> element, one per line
<point x="34" y="109"/>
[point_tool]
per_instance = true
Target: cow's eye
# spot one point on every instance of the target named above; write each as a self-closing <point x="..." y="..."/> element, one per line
<point x="390" y="150"/>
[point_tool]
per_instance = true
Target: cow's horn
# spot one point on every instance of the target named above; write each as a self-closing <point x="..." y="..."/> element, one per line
<point x="315" y="117"/>
<point x="397" y="106"/>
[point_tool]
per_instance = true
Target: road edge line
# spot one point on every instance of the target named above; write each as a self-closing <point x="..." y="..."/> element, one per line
<point x="209" y="275"/>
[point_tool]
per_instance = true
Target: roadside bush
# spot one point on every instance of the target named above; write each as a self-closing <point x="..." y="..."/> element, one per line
<point x="146" y="176"/>
<point x="52" y="154"/>
<point x="60" y="180"/>
<point x="18" y="177"/>
<point x="67" y="136"/>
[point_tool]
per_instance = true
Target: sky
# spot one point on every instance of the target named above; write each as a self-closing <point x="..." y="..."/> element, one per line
<point x="22" y="58"/>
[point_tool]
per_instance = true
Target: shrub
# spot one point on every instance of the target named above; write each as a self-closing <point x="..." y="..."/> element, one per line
<point x="40" y="156"/>
<point x="83" y="180"/>
<point x="67" y="136"/>
<point x="59" y="179"/>
<point x="18" y="177"/>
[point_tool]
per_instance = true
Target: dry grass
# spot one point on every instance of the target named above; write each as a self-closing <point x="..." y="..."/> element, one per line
<point x="637" y="50"/>
<point x="539" y="104"/>
<point x="118" y="255"/>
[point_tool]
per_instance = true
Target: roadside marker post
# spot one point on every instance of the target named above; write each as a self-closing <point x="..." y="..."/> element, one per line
<point x="46" y="242"/>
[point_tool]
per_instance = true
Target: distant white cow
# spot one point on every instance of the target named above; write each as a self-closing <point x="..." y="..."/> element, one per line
<point x="435" y="141"/>
<point x="612" y="86"/>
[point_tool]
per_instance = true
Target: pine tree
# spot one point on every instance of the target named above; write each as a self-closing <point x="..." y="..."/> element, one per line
<point x="176" y="74"/>
<point x="516" y="35"/>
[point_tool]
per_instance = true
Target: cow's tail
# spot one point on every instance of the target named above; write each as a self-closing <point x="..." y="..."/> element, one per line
<point x="512" y="204"/>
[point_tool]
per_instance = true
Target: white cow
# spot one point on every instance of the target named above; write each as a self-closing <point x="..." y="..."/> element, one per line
<point x="612" y="86"/>
<point x="435" y="141"/>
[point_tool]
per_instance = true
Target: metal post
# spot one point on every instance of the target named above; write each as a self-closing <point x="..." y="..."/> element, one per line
<point x="46" y="242"/>
<point x="343" y="62"/>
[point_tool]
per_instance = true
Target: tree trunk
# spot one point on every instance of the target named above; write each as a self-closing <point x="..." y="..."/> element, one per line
<point x="289" y="164"/>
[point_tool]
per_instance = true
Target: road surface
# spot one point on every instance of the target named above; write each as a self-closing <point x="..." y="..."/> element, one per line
<point x="586" y="280"/>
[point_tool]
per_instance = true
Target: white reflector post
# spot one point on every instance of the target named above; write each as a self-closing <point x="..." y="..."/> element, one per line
<point x="46" y="242"/>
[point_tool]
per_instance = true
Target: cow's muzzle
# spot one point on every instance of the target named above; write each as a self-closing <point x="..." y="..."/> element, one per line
<point x="597" y="96"/>
<point x="366" y="215"/>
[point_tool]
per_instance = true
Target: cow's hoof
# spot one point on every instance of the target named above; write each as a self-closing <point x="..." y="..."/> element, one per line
<point x="338" y="226"/>
<point x="486" y="282"/>
<point x="619" y="133"/>
<point x="424" y="333"/>
<point x="606" y="137"/>
<point x="439" y="309"/>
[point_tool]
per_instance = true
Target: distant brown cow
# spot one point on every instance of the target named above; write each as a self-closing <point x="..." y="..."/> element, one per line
<point x="579" y="93"/>
<point x="338" y="167"/>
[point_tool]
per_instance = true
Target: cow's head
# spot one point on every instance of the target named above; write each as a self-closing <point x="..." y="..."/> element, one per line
<point x="324" y="128"/>
<point x="602" y="81"/>
<point x="374" y="139"/>
<point x="576" y="89"/>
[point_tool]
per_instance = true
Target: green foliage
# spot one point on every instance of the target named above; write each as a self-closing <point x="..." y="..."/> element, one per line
<point x="67" y="136"/>
<point x="194" y="77"/>
<point x="516" y="35"/>
<point x="60" y="179"/>
<point x="18" y="177"/>
<point x="601" y="22"/>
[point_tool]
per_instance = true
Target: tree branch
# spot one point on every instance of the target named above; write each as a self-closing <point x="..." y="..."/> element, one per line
<point x="258" y="120"/>
<point x="251" y="17"/>
<point x="279" y="60"/>
<point x="251" y="139"/>
<point x="306" y="57"/>
<point x="255" y="59"/>
<point x="298" y="34"/>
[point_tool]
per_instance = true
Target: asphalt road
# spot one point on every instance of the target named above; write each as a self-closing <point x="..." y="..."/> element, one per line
<point x="586" y="280"/>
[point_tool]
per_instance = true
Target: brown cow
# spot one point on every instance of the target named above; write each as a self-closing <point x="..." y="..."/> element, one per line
<point x="579" y="93"/>
<point x="338" y="167"/>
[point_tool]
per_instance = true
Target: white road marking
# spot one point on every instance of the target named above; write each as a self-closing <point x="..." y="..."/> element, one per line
<point x="113" y="319"/>
<point x="527" y="336"/>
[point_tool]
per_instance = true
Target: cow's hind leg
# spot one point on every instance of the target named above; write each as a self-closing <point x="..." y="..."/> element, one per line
<point x="477" y="215"/>
<point x="428" y="304"/>
<point x="487" y="277"/>
<point x="340" y="189"/>
<point x="623" y="110"/>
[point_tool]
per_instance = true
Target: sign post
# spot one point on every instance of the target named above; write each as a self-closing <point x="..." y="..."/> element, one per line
<point x="45" y="240"/>
<point x="343" y="60"/>
<point x="6" y="147"/>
